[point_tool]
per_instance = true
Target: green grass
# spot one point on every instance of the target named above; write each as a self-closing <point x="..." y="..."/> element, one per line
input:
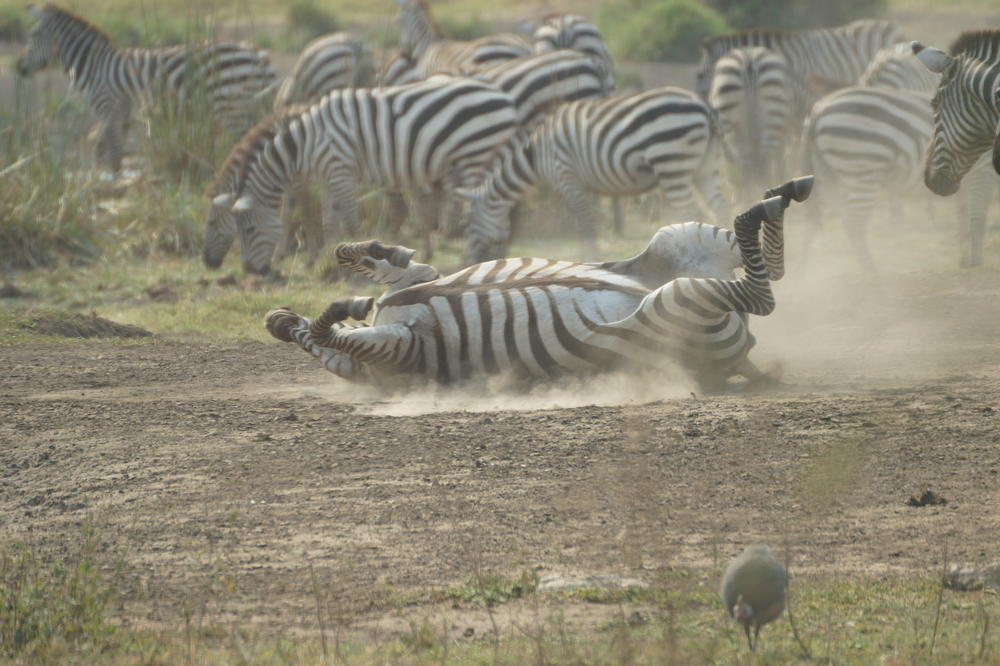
<point x="58" y="609"/>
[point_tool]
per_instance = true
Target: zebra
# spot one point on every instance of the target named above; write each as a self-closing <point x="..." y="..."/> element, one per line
<point x="115" y="80"/>
<point x="759" y="102"/>
<point x="572" y="31"/>
<point x="336" y="60"/>
<point x="421" y="41"/>
<point x="544" y="319"/>
<point x="966" y="109"/>
<point x="332" y="61"/>
<point x="399" y="137"/>
<point x="620" y="145"/>
<point x="865" y="141"/>
<point x="895" y="67"/>
<point x="824" y="59"/>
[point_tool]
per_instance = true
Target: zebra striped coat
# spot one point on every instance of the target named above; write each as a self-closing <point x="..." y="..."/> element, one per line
<point x="544" y="319"/>
<point x="337" y="60"/>
<point x="760" y="105"/>
<point x="867" y="143"/>
<point x="421" y="42"/>
<point x="622" y="145"/>
<point x="572" y="31"/>
<point x="966" y="109"/>
<point x="441" y="129"/>
<point x="823" y="59"/>
<point x="115" y="81"/>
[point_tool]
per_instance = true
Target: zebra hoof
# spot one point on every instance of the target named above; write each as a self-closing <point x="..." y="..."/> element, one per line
<point x="400" y="256"/>
<point x="360" y="307"/>
<point x="802" y="187"/>
<point x="769" y="209"/>
<point x="280" y="322"/>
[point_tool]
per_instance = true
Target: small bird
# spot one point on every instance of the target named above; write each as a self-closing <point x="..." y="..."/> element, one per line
<point x="753" y="589"/>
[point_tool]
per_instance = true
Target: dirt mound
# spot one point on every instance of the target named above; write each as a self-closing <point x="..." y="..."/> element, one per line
<point x="76" y="325"/>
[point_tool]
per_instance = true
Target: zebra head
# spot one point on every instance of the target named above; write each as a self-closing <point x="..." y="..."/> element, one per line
<point x="486" y="224"/>
<point x="259" y="228"/>
<point x="965" y="116"/>
<point x="220" y="230"/>
<point x="42" y="47"/>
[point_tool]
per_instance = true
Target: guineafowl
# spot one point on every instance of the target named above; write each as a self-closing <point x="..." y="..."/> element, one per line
<point x="753" y="589"/>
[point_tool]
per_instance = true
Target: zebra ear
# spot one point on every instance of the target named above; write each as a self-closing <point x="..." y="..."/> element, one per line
<point x="467" y="193"/>
<point x="223" y="200"/>
<point x="34" y="11"/>
<point x="243" y="204"/>
<point x="933" y="59"/>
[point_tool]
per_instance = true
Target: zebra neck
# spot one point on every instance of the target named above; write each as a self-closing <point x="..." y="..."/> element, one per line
<point x="83" y="53"/>
<point x="517" y="172"/>
<point x="419" y="33"/>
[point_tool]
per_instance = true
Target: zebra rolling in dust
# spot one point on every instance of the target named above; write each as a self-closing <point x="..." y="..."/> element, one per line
<point x="675" y="304"/>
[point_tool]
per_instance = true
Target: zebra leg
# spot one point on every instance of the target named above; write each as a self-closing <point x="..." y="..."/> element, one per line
<point x="428" y="212"/>
<point x="287" y="326"/>
<point x="341" y="197"/>
<point x="111" y="140"/>
<point x="856" y="216"/>
<point x="398" y="212"/>
<point x="977" y="193"/>
<point x="347" y="351"/>
<point x="708" y="181"/>
<point x="385" y="264"/>
<point x="617" y="216"/>
<point x="581" y="205"/>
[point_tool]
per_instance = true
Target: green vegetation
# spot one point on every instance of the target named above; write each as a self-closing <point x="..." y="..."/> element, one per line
<point x="796" y="13"/>
<point x="54" y="609"/>
<point x="661" y="30"/>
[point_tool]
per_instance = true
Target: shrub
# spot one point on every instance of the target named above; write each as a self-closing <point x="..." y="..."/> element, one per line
<point x="307" y="20"/>
<point x="659" y="30"/>
<point x="13" y="23"/>
<point x="463" y="27"/>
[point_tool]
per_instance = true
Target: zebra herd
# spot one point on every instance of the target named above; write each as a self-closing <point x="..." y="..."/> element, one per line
<point x="477" y="123"/>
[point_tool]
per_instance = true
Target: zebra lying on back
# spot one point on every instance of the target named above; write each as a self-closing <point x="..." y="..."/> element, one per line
<point x="115" y="81"/>
<point x="866" y="144"/>
<point x="622" y="145"/>
<point x="572" y="31"/>
<point x="414" y="136"/>
<point x="421" y="42"/>
<point x="966" y="109"/>
<point x="759" y="103"/>
<point x="824" y="59"/>
<point x="337" y="60"/>
<point x="676" y="304"/>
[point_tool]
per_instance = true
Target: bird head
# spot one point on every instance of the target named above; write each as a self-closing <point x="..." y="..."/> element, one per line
<point x="743" y="613"/>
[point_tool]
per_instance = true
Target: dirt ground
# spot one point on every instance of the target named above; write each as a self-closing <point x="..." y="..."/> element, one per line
<point x="234" y="476"/>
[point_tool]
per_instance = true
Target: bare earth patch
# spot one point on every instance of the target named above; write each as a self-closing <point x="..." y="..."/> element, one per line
<point x="245" y="463"/>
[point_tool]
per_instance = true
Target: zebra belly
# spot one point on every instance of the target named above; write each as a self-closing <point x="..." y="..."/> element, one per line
<point x="535" y="331"/>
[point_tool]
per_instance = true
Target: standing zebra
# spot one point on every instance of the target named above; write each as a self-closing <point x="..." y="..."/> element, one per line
<point x="867" y="142"/>
<point x="414" y="136"/>
<point x="824" y="59"/>
<point x="572" y="31"/>
<point x="115" y="80"/>
<point x="760" y="103"/>
<point x="966" y="109"/>
<point x="421" y="41"/>
<point x="329" y="62"/>
<point x="544" y="319"/>
<point x="621" y="145"/>
<point x="337" y="60"/>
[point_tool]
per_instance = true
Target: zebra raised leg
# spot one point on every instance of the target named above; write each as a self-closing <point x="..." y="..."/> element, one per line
<point x="391" y="265"/>
<point x="315" y="336"/>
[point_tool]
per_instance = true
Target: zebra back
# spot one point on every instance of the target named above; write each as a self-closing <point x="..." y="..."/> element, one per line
<point x="824" y="59"/>
<point x="572" y="31"/>
<point x="895" y="67"/>
<point x="337" y="60"/>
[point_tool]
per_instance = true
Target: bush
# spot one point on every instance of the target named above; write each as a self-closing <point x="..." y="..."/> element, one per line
<point x="307" y="20"/>
<point x="465" y="27"/>
<point x="13" y="23"/>
<point x="659" y="30"/>
<point x="792" y="14"/>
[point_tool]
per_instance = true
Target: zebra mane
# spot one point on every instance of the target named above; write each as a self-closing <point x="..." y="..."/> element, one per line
<point x="981" y="44"/>
<point x="52" y="8"/>
<point x="755" y="37"/>
<point x="228" y="179"/>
